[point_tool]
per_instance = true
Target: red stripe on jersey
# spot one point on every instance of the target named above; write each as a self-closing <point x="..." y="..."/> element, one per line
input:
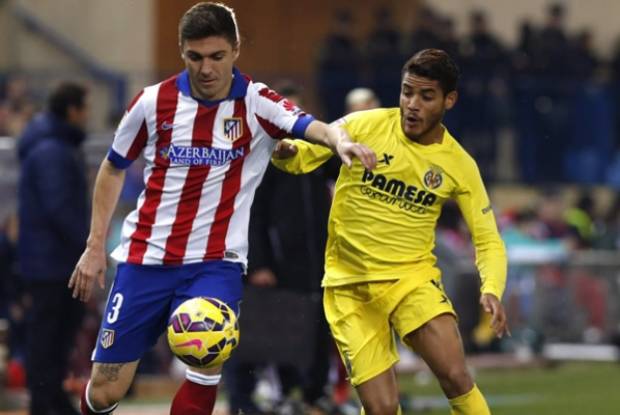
<point x="271" y="129"/>
<point x="134" y="100"/>
<point x="138" y="142"/>
<point x="187" y="208"/>
<point x="216" y="245"/>
<point x="167" y="98"/>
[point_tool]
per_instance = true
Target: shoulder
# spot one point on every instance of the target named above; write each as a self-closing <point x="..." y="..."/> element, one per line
<point x="467" y="165"/>
<point x="369" y="119"/>
<point x="374" y="115"/>
<point x="259" y="89"/>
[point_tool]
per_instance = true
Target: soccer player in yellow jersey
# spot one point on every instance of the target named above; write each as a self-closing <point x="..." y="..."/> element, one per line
<point x="380" y="272"/>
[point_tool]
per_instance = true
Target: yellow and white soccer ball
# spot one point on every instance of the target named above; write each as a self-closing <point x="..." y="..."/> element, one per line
<point x="203" y="332"/>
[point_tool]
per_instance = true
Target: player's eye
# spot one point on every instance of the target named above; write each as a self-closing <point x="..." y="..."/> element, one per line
<point x="218" y="57"/>
<point x="194" y="57"/>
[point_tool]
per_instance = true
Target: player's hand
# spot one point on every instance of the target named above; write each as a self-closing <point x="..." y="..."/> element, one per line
<point x="284" y="150"/>
<point x="90" y="267"/>
<point x="347" y="149"/>
<point x="492" y="305"/>
<point x="263" y="277"/>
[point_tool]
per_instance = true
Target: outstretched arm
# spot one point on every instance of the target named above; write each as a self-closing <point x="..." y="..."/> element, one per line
<point x="299" y="156"/>
<point x="92" y="263"/>
<point x="340" y="143"/>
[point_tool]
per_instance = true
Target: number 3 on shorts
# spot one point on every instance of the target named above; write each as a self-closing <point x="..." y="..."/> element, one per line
<point x="117" y="303"/>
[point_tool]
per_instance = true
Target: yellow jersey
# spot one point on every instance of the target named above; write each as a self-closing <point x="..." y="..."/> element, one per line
<point x="382" y="222"/>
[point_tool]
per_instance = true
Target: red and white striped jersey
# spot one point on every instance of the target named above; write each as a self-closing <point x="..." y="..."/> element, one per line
<point x="204" y="161"/>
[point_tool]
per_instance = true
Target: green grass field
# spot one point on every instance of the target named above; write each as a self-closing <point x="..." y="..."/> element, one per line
<point x="566" y="389"/>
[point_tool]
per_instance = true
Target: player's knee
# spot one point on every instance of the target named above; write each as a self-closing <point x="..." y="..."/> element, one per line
<point x="103" y="395"/>
<point x="382" y="405"/>
<point x="456" y="381"/>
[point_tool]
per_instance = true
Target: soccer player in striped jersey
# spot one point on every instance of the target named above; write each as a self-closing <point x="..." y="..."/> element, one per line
<point x="206" y="135"/>
<point x="380" y="271"/>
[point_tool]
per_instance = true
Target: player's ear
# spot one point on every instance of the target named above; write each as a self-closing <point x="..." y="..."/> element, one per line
<point x="451" y="99"/>
<point x="236" y="51"/>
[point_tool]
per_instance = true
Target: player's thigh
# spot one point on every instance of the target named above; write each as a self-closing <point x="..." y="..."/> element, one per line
<point x="136" y="312"/>
<point x="360" y="330"/>
<point x="217" y="279"/>
<point x="426" y="321"/>
<point x="111" y="381"/>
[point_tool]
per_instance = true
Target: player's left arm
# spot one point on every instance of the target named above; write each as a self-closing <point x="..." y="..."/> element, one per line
<point x="491" y="258"/>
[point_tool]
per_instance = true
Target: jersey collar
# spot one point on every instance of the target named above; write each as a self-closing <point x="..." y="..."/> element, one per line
<point x="238" y="88"/>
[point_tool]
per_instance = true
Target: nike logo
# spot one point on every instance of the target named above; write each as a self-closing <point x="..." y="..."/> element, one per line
<point x="193" y="342"/>
<point x="166" y="126"/>
<point x="386" y="159"/>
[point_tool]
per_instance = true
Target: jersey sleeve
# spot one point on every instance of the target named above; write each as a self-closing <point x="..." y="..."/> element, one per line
<point x="475" y="206"/>
<point x="309" y="157"/>
<point x="278" y="116"/>
<point x="131" y="135"/>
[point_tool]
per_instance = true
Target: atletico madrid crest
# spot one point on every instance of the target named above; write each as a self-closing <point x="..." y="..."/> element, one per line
<point x="107" y="338"/>
<point x="233" y="128"/>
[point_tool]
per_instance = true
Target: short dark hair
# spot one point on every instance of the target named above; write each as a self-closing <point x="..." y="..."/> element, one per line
<point x="64" y="96"/>
<point x="209" y="19"/>
<point x="434" y="64"/>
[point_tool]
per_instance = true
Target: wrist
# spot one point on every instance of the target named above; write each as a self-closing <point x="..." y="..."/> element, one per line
<point x="95" y="243"/>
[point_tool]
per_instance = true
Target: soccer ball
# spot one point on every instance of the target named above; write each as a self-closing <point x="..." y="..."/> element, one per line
<point x="203" y="332"/>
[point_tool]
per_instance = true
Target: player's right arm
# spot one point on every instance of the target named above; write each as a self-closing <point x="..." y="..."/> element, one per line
<point x="129" y="140"/>
<point x="299" y="156"/>
<point x="92" y="263"/>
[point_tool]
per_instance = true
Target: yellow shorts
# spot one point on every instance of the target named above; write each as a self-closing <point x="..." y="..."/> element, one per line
<point x="363" y="317"/>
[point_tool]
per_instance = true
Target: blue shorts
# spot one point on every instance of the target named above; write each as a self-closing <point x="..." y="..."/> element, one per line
<point x="143" y="297"/>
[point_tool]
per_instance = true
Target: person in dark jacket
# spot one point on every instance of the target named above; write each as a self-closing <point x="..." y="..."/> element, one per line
<point x="54" y="216"/>
<point x="287" y="237"/>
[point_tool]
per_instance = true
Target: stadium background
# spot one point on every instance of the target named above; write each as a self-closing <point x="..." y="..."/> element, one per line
<point x="563" y="295"/>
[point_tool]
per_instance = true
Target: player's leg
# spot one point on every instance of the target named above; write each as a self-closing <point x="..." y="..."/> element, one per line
<point x="197" y="393"/>
<point x="426" y="321"/>
<point x="360" y="327"/>
<point x="438" y="342"/>
<point x="379" y="395"/>
<point x="108" y="384"/>
<point x="136" y="314"/>
<point x="217" y="279"/>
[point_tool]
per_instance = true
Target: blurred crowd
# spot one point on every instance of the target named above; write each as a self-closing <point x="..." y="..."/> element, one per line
<point x="551" y="90"/>
<point x="556" y="96"/>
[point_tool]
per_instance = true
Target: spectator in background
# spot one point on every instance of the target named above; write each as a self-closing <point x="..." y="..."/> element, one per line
<point x="16" y="107"/>
<point x="286" y="245"/>
<point x="609" y="237"/>
<point x="485" y="65"/>
<point x="580" y="219"/>
<point x="384" y="56"/>
<point x="54" y="212"/>
<point x="425" y="33"/>
<point x="340" y="64"/>
<point x="360" y="99"/>
<point x="584" y="62"/>
<point x="552" y="45"/>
